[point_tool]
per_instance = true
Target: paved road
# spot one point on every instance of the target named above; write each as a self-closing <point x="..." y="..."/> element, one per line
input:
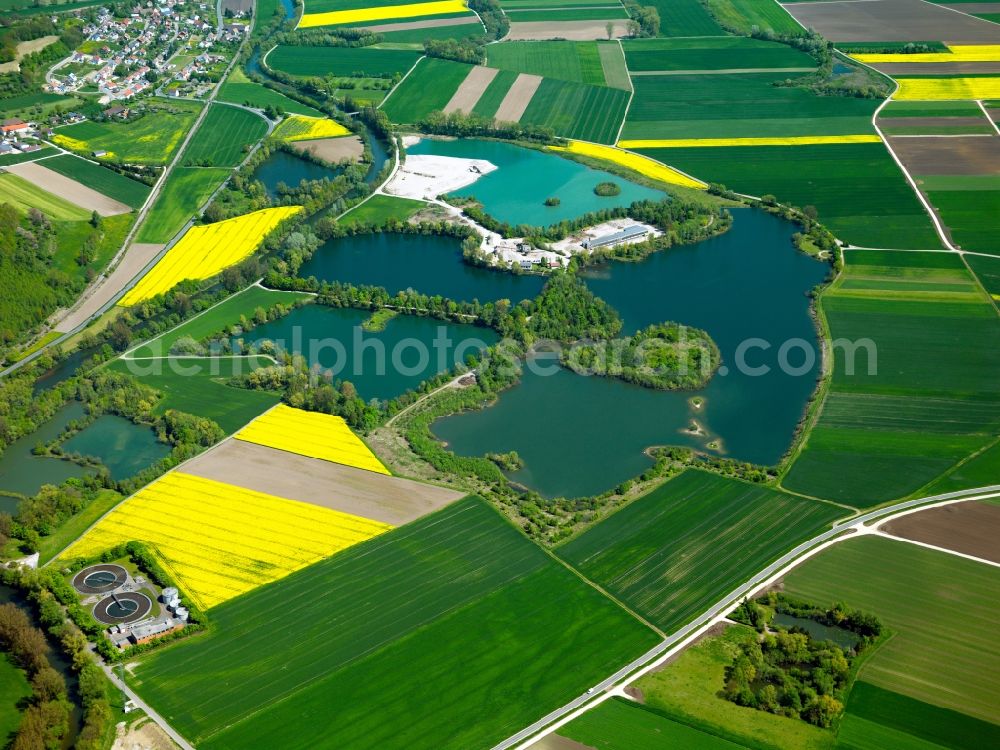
<point x="724" y="605"/>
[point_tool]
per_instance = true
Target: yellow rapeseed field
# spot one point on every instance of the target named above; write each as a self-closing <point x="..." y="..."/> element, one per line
<point x="206" y="250"/>
<point x="641" y="164"/>
<point x="957" y="53"/>
<point x="302" y="128"/>
<point x="382" y="13"/>
<point x="219" y="540"/>
<point x="799" y="140"/>
<point x="943" y="89"/>
<point x="309" y="433"/>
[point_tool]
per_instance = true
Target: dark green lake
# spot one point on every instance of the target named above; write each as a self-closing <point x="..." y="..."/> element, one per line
<point x="516" y="191"/>
<point x="123" y="446"/>
<point x="425" y="263"/>
<point x="283" y="167"/>
<point x="819" y="631"/>
<point x="582" y="435"/>
<point x="383" y="364"/>
<point x="24" y="473"/>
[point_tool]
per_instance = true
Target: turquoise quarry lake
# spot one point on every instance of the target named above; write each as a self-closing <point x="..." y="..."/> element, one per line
<point x="517" y="190"/>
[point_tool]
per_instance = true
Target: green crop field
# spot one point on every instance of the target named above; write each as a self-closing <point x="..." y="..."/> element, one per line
<point x="565" y="61"/>
<point x="182" y="196"/>
<point x="72" y="234"/>
<point x="428" y="88"/>
<point x="32" y="156"/>
<point x="675" y="551"/>
<point x="688" y="688"/>
<point x="877" y="719"/>
<point x="906" y="414"/>
<point x="197" y="386"/>
<point x="685" y="18"/>
<point x="980" y="470"/>
<point x="215" y="319"/>
<point x="445" y="633"/>
<point x="739" y="105"/>
<point x="24" y="195"/>
<point x="342" y="61"/>
<point x="473" y="29"/>
<point x="988" y="271"/>
<point x="712" y="53"/>
<point x="494" y="93"/>
<point x="576" y="110"/>
<point x="620" y="724"/>
<point x="225" y="137"/>
<point x="150" y="139"/>
<point x="857" y="189"/>
<point x="121" y="188"/>
<point x="14" y="689"/>
<point x="941" y="608"/>
<point x="615" y="69"/>
<point x="972" y="217"/>
<point x="380" y="208"/>
<point x="568" y="14"/>
<point x="743" y="15"/>
<point x="239" y="89"/>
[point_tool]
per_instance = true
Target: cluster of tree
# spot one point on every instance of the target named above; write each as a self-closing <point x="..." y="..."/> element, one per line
<point x="377" y="121"/>
<point x="32" y="67"/>
<point x="468" y="125"/>
<point x="92" y="686"/>
<point x="31" y="287"/>
<point x="789" y="674"/>
<point x="327" y="37"/>
<point x="814" y="238"/>
<point x="496" y="22"/>
<point x="756" y="613"/>
<point x="228" y="339"/>
<point x="645" y="20"/>
<point x="463" y="51"/>
<point x="46" y="718"/>
<point x="567" y="310"/>
<point x="666" y="356"/>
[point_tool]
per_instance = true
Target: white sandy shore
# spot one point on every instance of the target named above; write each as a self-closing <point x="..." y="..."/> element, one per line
<point x="426" y="177"/>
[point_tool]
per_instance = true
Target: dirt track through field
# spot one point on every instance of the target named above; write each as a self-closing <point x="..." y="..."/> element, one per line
<point x="309" y="480"/>
<point x="518" y="98"/>
<point x="891" y="21"/>
<point x="577" y="31"/>
<point x="471" y="89"/>
<point x="73" y="191"/>
<point x="332" y="149"/>
<point x="139" y="255"/>
<point x="969" y="528"/>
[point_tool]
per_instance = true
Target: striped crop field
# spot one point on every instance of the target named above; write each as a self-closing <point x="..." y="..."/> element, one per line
<point x="219" y="540"/>
<point x="641" y="164"/>
<point x="939" y="89"/>
<point x="383" y="13"/>
<point x="302" y="128"/>
<point x="676" y="550"/>
<point x="805" y="140"/>
<point x="957" y="53"/>
<point x="312" y="434"/>
<point x="204" y="251"/>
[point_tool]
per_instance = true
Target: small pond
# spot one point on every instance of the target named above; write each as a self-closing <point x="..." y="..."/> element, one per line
<point x="430" y="264"/>
<point x="583" y="435"/>
<point x="283" y="167"/>
<point x="525" y="178"/>
<point x="123" y="446"/>
<point x="819" y="631"/>
<point x="383" y="364"/>
<point x="24" y="473"/>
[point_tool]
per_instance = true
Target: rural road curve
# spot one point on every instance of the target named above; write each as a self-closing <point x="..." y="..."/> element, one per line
<point x="601" y="691"/>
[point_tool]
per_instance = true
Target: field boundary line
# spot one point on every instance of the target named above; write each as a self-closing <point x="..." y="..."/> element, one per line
<point x="676" y="642"/>
<point x="989" y="119"/>
<point x="631" y="94"/>
<point x="925" y="545"/>
<point x="400" y="83"/>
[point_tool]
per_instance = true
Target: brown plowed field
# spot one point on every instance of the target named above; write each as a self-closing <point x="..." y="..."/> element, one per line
<point x="972" y="528"/>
